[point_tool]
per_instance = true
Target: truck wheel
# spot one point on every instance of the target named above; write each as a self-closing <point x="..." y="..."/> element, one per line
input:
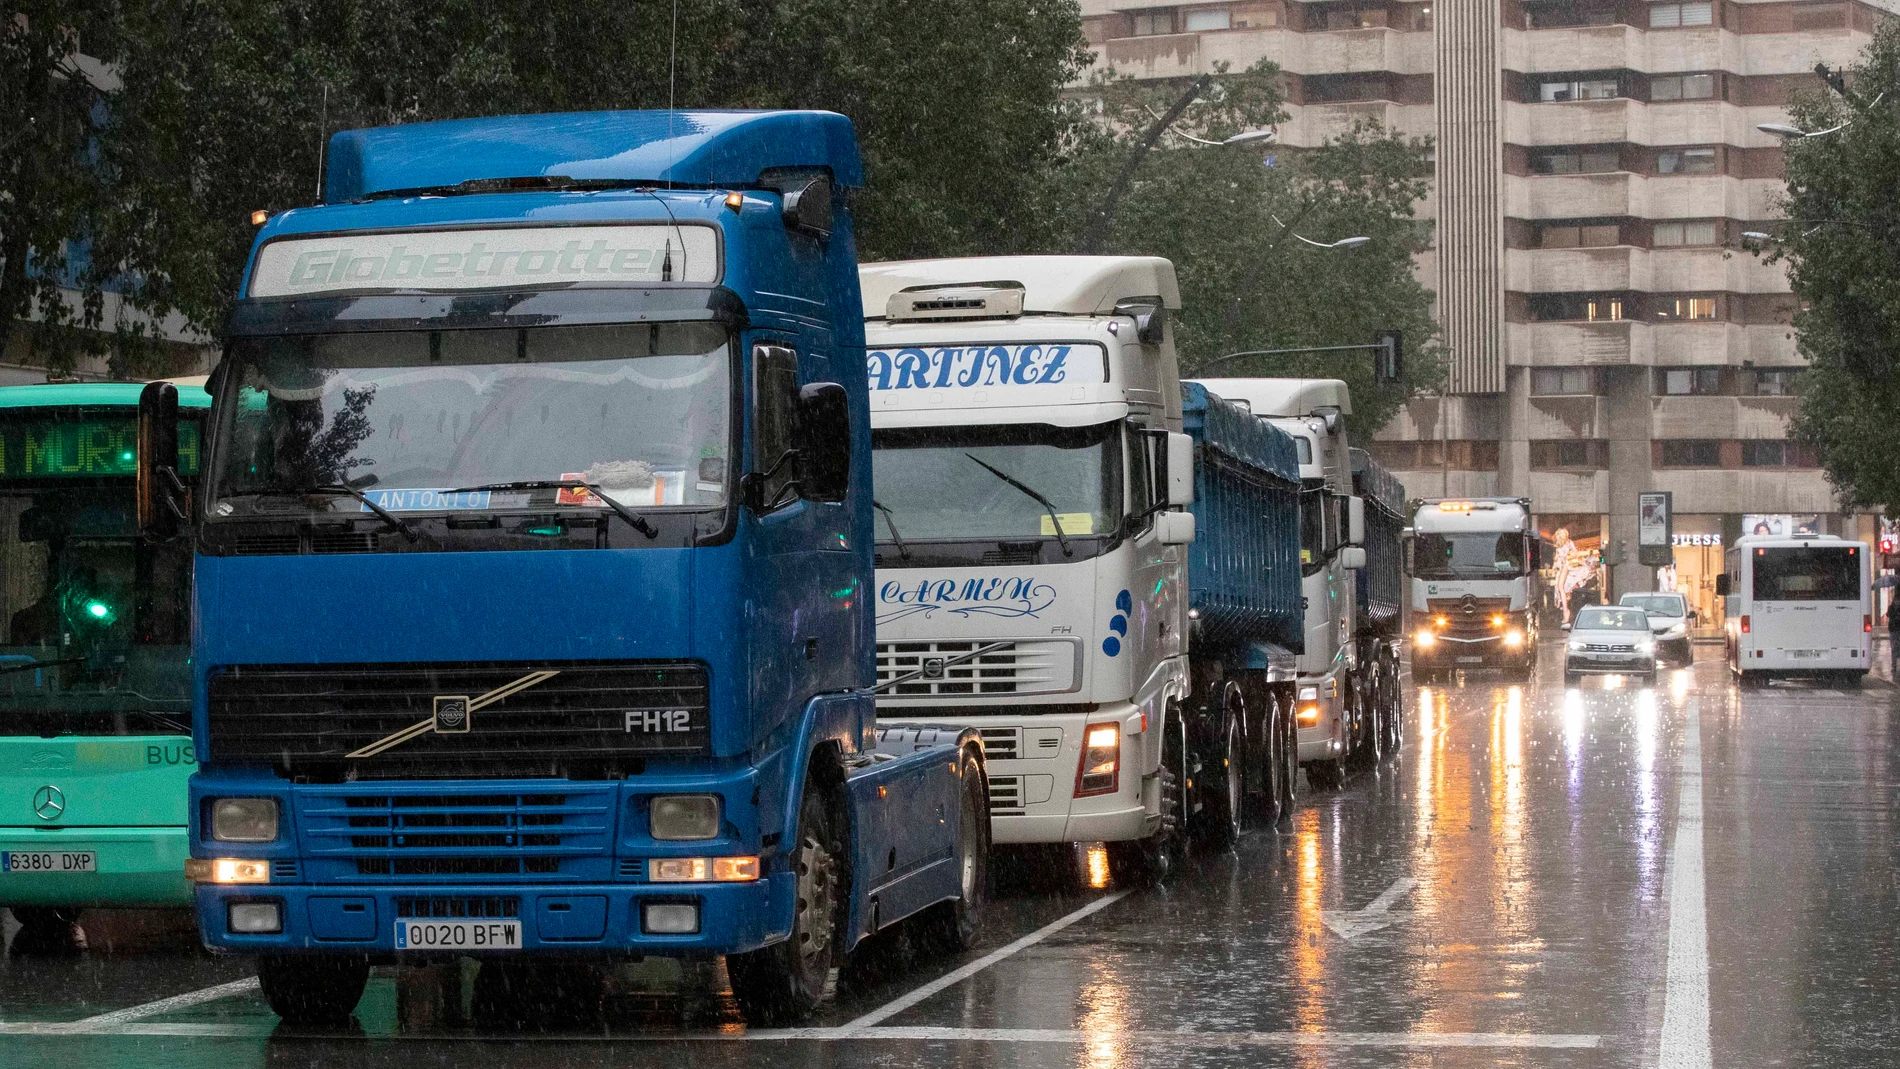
<point x="956" y="925"/>
<point x="1154" y="860"/>
<point x="1368" y="748"/>
<point x="1218" y="826"/>
<point x="1289" y="761"/>
<point x="1393" y="698"/>
<point x="788" y="981"/>
<point x="313" y="990"/>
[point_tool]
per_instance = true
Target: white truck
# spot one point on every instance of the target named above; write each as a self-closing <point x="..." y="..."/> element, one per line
<point x="1349" y="708"/>
<point x="1038" y="578"/>
<point x="1473" y="566"/>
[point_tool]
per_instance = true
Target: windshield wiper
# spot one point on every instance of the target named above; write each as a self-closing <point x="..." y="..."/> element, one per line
<point x="902" y="550"/>
<point x="408" y="529"/>
<point x="1054" y="520"/>
<point x="32" y="665"/>
<point x="634" y="519"/>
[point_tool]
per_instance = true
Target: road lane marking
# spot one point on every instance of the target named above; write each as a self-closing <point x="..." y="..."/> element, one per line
<point x="902" y="1003"/>
<point x="1685" y="1027"/>
<point x="108" y="1021"/>
<point x="1376" y="915"/>
<point x="1151" y="1040"/>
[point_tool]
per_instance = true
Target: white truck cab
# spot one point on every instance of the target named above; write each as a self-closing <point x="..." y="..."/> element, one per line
<point x="1030" y="582"/>
<point x="1473" y="563"/>
<point x="1313" y="411"/>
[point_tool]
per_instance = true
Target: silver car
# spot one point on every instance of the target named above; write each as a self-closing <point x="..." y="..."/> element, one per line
<point x="1669" y="619"/>
<point x="1610" y="640"/>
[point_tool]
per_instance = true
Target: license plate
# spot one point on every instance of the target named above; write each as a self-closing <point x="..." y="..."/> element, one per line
<point x="49" y="861"/>
<point x="1470" y="660"/>
<point x="1806" y="653"/>
<point x="458" y="935"/>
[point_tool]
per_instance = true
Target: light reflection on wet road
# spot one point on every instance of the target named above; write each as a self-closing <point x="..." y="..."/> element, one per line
<point x="1497" y="895"/>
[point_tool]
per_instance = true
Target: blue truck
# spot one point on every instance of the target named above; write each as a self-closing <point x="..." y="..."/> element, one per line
<point x="532" y="552"/>
<point x="1245" y="611"/>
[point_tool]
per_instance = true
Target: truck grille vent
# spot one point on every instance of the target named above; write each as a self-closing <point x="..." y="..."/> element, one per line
<point x="265" y="545"/>
<point x="382" y="834"/>
<point x="284" y="869"/>
<point x="342" y="542"/>
<point x="1029" y="667"/>
<point x="1006" y="795"/>
<point x="1001" y="744"/>
<point x="447" y="906"/>
<point x="304" y="720"/>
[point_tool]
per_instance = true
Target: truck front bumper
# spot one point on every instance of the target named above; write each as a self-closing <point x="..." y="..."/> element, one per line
<point x="553" y="919"/>
<point x="1326" y="739"/>
<point x="1490" y="651"/>
<point x="139" y="868"/>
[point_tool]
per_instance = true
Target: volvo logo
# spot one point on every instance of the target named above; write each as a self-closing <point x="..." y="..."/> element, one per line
<point x="49" y="802"/>
<point x="451" y="714"/>
<point x="933" y="667"/>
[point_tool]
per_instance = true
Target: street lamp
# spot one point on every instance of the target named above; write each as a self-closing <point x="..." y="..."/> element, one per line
<point x="1782" y="129"/>
<point x="1342" y="243"/>
<point x="1249" y="137"/>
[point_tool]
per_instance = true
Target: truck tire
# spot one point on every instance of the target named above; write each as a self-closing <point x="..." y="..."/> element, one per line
<point x="1289" y="760"/>
<point x="1217" y="826"/>
<point x="310" y="990"/>
<point x="1393" y="698"/>
<point x="1155" y="860"/>
<point x="1368" y="744"/>
<point x="956" y="925"/>
<point x="789" y="980"/>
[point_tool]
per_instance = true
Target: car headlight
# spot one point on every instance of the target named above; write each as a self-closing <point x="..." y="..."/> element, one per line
<point x="684" y="817"/>
<point x="244" y="820"/>
<point x="1645" y="645"/>
<point x="1677" y="631"/>
<point x="1577" y="645"/>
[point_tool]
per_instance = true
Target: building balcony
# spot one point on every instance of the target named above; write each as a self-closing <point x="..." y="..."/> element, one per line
<point x="1578" y="48"/>
<point x="1559" y="492"/>
<point x="1710" y="268"/>
<point x="1698" y="344"/>
<point x="1615" y="193"/>
<point x="1770" y="345"/>
<point x="1708" y="490"/>
<point x="1571" y="417"/>
<point x="1578" y="344"/>
<point x="1598" y="270"/>
<point x="1311" y="124"/>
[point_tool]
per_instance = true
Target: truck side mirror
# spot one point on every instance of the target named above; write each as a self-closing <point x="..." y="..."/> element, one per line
<point x="1355" y="521"/>
<point x="1721" y="585"/>
<point x="1407" y="536"/>
<point x="809" y="207"/>
<point x="160" y="492"/>
<point x="1180" y="468"/>
<point x="1174" y="528"/>
<point x="1352" y="558"/>
<point x="824" y="441"/>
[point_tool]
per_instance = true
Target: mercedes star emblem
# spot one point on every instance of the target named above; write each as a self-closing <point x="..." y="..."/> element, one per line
<point x="49" y="802"/>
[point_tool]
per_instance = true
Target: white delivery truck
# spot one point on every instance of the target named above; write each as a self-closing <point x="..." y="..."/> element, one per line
<point x="1346" y="713"/>
<point x="1798" y="606"/>
<point x="1029" y="581"/>
<point x="1473" y="565"/>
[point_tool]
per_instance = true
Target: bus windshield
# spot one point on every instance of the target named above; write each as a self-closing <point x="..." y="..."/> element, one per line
<point x="97" y="621"/>
<point x="1807" y="573"/>
<point x="1476" y="555"/>
<point x="642" y="411"/>
<point x="943" y="483"/>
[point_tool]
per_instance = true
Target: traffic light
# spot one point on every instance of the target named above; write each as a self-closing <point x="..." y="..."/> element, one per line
<point x="1389" y="359"/>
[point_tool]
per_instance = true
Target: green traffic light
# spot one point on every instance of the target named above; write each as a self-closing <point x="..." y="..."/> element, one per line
<point x="98" y="609"/>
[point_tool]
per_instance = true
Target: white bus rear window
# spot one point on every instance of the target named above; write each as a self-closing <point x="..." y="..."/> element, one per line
<point x="1807" y="573"/>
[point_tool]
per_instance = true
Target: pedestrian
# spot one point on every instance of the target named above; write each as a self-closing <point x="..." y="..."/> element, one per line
<point x="1893" y="638"/>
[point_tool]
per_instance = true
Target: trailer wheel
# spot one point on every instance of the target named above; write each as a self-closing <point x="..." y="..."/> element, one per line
<point x="312" y="990"/>
<point x="1368" y="748"/>
<point x="1393" y="699"/>
<point x="956" y="925"/>
<point x="1289" y="760"/>
<point x="788" y="981"/>
<point x="1221" y="774"/>
<point x="1151" y="861"/>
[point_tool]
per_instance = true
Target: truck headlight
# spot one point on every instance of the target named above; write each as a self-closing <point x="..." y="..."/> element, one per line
<point x="1423" y="639"/>
<point x="244" y="820"/>
<point x="1100" y="770"/>
<point x="683" y="817"/>
<point x="1514" y="638"/>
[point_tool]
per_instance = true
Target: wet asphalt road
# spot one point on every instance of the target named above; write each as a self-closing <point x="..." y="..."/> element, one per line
<point x="1610" y="876"/>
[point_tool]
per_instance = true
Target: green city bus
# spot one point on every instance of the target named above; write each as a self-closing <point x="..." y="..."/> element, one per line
<point x="95" y="676"/>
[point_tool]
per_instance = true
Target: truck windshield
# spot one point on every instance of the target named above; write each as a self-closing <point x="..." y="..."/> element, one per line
<point x="641" y="411"/>
<point x="97" y="622"/>
<point x="1803" y="573"/>
<point x="933" y="489"/>
<point x="1475" y="555"/>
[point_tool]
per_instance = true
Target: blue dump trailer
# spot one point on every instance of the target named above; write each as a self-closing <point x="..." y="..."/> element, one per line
<point x="1379" y="624"/>
<point x="533" y="548"/>
<point x="1245" y="613"/>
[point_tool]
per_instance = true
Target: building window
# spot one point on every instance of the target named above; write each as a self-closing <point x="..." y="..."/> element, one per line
<point x="1682" y="87"/>
<point x="1587" y="453"/>
<point x="1774" y="382"/>
<point x="1595" y="162"/>
<point x="1688" y="381"/>
<point x="1578" y="89"/>
<point x="1209" y="19"/>
<point x="1686" y="161"/>
<point x="1673" y="309"/>
<point x="1562" y="381"/>
<point x="1561" y="307"/>
<point x="1684" y="234"/>
<point x="1564" y="16"/>
<point x="1691" y="453"/>
<point x="1766" y="454"/>
<point x="1565" y="236"/>
<point x="1256" y="18"/>
<point x="1154" y="23"/>
<point x="1668" y="16"/>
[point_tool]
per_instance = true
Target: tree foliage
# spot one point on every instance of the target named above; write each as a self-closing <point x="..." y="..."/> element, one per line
<point x="1233" y="229"/>
<point x="1842" y="247"/>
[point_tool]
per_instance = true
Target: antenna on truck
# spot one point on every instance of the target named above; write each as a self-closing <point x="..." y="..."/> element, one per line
<point x="323" y="123"/>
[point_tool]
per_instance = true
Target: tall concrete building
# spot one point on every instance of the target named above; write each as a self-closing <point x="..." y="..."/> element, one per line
<point x="1597" y="164"/>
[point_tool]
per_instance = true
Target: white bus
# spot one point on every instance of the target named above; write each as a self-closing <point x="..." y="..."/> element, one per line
<point x="1798" y="607"/>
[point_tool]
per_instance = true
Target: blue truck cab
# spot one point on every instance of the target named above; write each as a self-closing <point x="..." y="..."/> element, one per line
<point x="532" y="555"/>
